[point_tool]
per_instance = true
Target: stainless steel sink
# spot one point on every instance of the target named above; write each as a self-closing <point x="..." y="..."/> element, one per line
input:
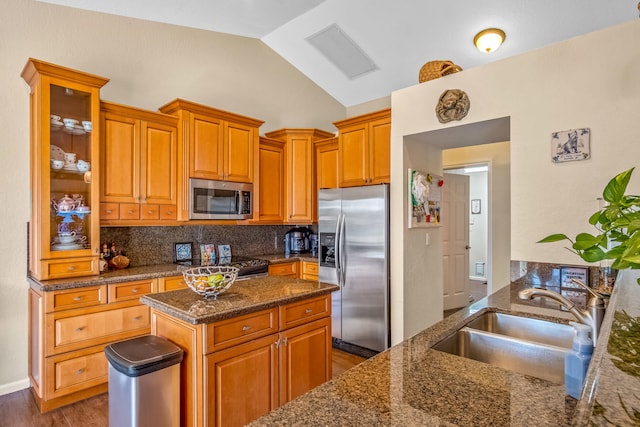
<point x="525" y="328"/>
<point x="529" y="346"/>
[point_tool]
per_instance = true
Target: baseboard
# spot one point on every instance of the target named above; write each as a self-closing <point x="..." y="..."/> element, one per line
<point x="352" y="348"/>
<point x="14" y="386"/>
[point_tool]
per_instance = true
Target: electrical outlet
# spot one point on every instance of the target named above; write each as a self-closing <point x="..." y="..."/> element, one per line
<point x="523" y="269"/>
<point x="426" y="239"/>
<point x="275" y="241"/>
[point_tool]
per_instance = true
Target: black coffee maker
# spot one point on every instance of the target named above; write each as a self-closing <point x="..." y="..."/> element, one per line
<point x="297" y="240"/>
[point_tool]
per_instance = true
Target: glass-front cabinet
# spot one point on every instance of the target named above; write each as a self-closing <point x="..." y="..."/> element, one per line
<point x="64" y="227"/>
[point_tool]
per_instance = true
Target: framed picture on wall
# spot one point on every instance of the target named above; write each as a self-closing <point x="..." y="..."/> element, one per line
<point x="570" y="145"/>
<point x="475" y="206"/>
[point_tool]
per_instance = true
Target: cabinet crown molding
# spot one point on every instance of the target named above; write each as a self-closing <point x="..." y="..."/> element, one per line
<point x="178" y="105"/>
<point x="382" y="114"/>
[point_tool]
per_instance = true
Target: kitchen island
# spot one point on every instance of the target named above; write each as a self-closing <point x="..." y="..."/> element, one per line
<point x="263" y="342"/>
<point x="412" y="384"/>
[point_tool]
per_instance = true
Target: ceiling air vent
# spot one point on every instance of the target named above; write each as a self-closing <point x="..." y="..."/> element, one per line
<point x="342" y="51"/>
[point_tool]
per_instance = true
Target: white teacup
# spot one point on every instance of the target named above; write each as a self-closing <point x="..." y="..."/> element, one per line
<point x="57" y="164"/>
<point x="55" y="118"/>
<point x="69" y="237"/>
<point x="83" y="166"/>
<point x="70" y="123"/>
<point x="69" y="159"/>
<point x="87" y="125"/>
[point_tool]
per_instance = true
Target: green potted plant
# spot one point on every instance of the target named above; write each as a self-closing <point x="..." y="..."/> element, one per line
<point x="618" y="228"/>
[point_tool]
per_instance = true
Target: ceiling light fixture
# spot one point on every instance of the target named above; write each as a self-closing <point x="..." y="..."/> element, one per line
<point x="489" y="40"/>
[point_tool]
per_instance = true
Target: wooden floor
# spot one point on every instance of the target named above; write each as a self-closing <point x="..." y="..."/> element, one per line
<point x="19" y="409"/>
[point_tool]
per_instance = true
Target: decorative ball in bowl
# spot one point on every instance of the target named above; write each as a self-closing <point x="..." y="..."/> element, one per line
<point x="210" y="281"/>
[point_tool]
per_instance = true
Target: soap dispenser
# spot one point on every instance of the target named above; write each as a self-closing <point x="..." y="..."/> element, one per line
<point x="576" y="360"/>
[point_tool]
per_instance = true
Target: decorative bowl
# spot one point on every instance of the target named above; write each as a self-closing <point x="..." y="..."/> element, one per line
<point x="210" y="281"/>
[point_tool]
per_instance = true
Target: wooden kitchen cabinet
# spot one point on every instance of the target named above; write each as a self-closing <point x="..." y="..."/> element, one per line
<point x="287" y="269"/>
<point x="139" y="166"/>
<point x="364" y="149"/>
<point x="327" y="163"/>
<point x="217" y="145"/>
<point x="236" y="370"/>
<point x="68" y="329"/>
<point x="64" y="229"/>
<point x="271" y="181"/>
<point x="309" y="270"/>
<point x="301" y="192"/>
<point x="171" y="283"/>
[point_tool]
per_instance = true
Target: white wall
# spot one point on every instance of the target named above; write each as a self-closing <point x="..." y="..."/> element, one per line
<point x="149" y="64"/>
<point x="589" y="81"/>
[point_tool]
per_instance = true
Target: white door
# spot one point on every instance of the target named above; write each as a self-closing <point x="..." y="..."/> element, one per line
<point x="455" y="241"/>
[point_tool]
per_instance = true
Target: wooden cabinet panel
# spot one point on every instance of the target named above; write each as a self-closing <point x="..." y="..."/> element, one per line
<point x="242" y="382"/>
<point x="271" y="180"/>
<point x="206" y="157"/>
<point x="139" y="173"/>
<point x="72" y="372"/>
<point x="284" y="269"/>
<point x="70" y="330"/>
<point x="109" y="211"/>
<point x="237" y="330"/>
<point x="65" y="267"/>
<point x="120" y="153"/>
<point x="171" y="283"/>
<point x="309" y="270"/>
<point x="364" y="149"/>
<point x="306" y="358"/>
<point x="327" y="163"/>
<point x="238" y="152"/>
<point x="130" y="290"/>
<point x="297" y="313"/>
<point x="66" y="299"/>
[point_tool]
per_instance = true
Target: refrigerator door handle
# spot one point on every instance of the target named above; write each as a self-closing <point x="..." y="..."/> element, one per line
<point x="343" y="254"/>
<point x="337" y="250"/>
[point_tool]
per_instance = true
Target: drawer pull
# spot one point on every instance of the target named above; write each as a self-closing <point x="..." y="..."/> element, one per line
<point x="80" y="329"/>
<point x="169" y="212"/>
<point x="77" y="298"/>
<point x="71" y="267"/>
<point x="130" y="211"/>
<point x="134" y="290"/>
<point x="137" y="318"/>
<point x="80" y="371"/>
<point x="308" y="311"/>
<point x="246" y="328"/>
<point x="109" y="211"/>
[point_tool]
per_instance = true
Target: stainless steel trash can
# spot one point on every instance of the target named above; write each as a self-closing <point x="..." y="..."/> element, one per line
<point x="144" y="382"/>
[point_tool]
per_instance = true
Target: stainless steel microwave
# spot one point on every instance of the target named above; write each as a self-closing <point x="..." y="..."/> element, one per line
<point x="219" y="199"/>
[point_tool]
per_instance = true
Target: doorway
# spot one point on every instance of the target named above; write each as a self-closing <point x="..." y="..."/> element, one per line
<point x="476" y="229"/>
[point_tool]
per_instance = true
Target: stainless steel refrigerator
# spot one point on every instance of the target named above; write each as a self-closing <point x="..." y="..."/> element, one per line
<point x="353" y="253"/>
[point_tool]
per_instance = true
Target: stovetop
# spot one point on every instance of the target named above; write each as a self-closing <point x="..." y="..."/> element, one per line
<point x="246" y="265"/>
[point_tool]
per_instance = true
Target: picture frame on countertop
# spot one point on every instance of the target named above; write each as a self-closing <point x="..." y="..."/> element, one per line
<point x="207" y="254"/>
<point x="183" y="252"/>
<point x="224" y="251"/>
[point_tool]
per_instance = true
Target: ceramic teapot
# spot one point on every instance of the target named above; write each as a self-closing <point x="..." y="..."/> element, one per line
<point x="65" y="204"/>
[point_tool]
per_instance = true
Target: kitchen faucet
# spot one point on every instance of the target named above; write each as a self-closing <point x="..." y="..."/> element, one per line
<point x="591" y="317"/>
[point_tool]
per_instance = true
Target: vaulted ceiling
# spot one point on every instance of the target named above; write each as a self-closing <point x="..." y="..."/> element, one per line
<point x="373" y="47"/>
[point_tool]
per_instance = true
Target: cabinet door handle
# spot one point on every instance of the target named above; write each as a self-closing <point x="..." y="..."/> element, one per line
<point x="246" y="328"/>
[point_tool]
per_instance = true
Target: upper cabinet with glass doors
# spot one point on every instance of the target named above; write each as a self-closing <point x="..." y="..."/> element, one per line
<point x="64" y="227"/>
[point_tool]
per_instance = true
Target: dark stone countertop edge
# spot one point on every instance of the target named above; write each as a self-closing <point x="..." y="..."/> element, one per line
<point x="168" y="308"/>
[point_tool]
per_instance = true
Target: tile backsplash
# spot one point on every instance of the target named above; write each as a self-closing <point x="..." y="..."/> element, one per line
<point x="155" y="245"/>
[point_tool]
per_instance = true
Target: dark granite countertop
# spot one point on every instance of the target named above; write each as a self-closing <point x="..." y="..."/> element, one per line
<point x="244" y="296"/>
<point x="411" y="384"/>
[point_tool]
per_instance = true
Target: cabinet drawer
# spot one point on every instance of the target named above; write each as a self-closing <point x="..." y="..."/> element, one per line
<point x="75" y="298"/>
<point x="168" y="212"/>
<point x="84" y="330"/>
<point x="129" y="211"/>
<point x="60" y="269"/>
<point x="309" y="270"/>
<point x="227" y="333"/>
<point x="284" y="269"/>
<point x="73" y="372"/>
<point x="171" y="284"/>
<point x="149" y="212"/>
<point x="129" y="290"/>
<point x="109" y="211"/>
<point x="297" y="313"/>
